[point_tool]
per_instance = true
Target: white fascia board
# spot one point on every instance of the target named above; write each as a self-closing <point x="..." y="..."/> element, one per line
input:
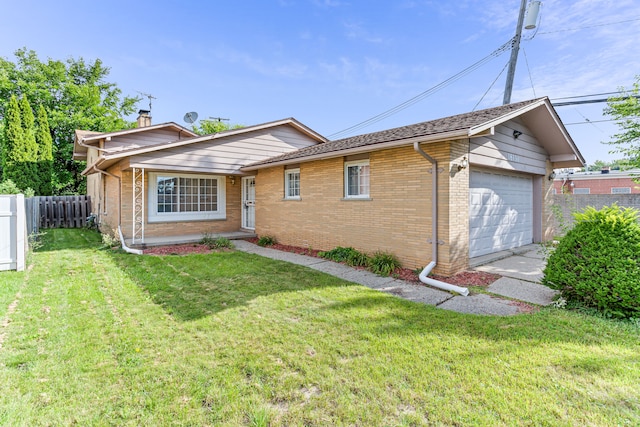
<point x="563" y="158"/>
<point x="214" y="136"/>
<point x="475" y="130"/>
<point x="446" y="136"/>
<point x="137" y="130"/>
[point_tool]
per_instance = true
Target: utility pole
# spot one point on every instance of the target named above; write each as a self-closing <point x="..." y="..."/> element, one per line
<point x="515" y="48"/>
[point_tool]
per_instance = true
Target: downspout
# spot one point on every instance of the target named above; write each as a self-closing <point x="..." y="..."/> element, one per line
<point x="434" y="221"/>
<point x="122" y="242"/>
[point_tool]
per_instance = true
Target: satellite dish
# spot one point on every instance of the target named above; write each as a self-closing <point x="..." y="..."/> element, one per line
<point x="191" y="117"/>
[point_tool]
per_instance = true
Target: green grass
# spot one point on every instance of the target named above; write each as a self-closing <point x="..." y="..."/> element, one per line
<point x="100" y="337"/>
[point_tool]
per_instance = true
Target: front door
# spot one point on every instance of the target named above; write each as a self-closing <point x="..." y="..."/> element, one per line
<point x="249" y="202"/>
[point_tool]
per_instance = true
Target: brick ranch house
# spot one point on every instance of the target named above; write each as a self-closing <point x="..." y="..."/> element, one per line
<point x="605" y="181"/>
<point x="449" y="190"/>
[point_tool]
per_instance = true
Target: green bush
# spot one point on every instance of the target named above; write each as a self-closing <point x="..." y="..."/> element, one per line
<point x="348" y="255"/>
<point x="214" y="242"/>
<point x="267" y="241"/>
<point x="383" y="263"/>
<point x="597" y="263"/>
<point x="9" y="187"/>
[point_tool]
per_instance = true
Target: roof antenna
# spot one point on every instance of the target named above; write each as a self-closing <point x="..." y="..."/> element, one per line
<point x="218" y="119"/>
<point x="148" y="95"/>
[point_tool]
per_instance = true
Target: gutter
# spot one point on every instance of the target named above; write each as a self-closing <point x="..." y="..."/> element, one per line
<point x="434" y="221"/>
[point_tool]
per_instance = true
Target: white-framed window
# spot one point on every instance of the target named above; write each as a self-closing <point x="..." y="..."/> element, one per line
<point x="620" y="190"/>
<point x="581" y="191"/>
<point x="292" y="184"/>
<point x="185" y="197"/>
<point x="356" y="179"/>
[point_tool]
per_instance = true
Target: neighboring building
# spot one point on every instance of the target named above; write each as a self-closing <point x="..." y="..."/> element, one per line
<point x="490" y="191"/>
<point x="604" y="182"/>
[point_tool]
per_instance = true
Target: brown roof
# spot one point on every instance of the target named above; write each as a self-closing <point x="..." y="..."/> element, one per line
<point x="433" y="127"/>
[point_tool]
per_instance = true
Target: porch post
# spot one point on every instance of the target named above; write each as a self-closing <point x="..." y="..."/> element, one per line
<point x="138" y="206"/>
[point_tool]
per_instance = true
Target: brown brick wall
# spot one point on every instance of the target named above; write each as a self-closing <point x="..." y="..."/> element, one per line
<point x="599" y="184"/>
<point x="397" y="218"/>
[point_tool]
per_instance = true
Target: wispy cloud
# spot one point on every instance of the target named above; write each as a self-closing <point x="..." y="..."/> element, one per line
<point x="355" y="30"/>
<point x="274" y="68"/>
<point x="328" y="3"/>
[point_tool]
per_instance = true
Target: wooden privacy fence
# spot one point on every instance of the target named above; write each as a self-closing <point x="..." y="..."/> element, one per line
<point x="62" y="211"/>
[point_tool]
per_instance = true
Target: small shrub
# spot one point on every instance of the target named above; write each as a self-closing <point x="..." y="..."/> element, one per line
<point x="9" y="187"/>
<point x="109" y="240"/>
<point x="267" y="241"/>
<point x="347" y="255"/>
<point x="597" y="263"/>
<point x="213" y="242"/>
<point x="383" y="263"/>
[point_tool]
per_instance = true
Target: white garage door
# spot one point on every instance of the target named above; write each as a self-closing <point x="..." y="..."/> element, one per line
<point x="500" y="212"/>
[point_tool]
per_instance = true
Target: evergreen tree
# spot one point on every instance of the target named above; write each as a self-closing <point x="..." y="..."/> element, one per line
<point x="29" y="128"/>
<point x="76" y="95"/>
<point x="45" y="153"/>
<point x="17" y="166"/>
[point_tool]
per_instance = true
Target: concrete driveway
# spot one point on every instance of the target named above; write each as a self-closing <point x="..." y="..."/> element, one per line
<point x="521" y="271"/>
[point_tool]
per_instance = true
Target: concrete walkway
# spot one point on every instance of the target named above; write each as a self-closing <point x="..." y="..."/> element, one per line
<point x="508" y="289"/>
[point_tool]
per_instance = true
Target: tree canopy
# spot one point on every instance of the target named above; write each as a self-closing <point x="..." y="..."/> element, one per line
<point x="625" y="109"/>
<point x="75" y="95"/>
<point x="207" y="127"/>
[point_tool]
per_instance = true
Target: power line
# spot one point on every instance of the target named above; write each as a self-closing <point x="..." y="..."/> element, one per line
<point x="591" y="26"/>
<point x="506" y="46"/>
<point x="589" y="96"/>
<point x="491" y="86"/>
<point x="526" y="61"/>
<point x="589" y="122"/>
<point x="589" y="101"/>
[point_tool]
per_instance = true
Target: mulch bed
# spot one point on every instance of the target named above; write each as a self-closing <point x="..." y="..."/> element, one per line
<point x="465" y="278"/>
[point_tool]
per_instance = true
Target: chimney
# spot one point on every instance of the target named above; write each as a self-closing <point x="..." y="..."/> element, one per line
<point x="144" y="119"/>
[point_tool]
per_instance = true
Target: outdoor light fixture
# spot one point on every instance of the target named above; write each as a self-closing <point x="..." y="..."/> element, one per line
<point x="552" y="176"/>
<point x="233" y="180"/>
<point x="516" y="134"/>
<point x="463" y="164"/>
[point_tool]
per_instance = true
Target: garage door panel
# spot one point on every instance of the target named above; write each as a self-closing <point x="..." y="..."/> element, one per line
<point x="500" y="212"/>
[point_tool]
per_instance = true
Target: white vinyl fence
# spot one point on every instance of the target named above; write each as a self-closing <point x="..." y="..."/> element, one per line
<point x="13" y="232"/>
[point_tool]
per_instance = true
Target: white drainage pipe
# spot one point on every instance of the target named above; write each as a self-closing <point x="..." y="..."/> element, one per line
<point x="125" y="247"/>
<point x="434" y="221"/>
<point x="438" y="284"/>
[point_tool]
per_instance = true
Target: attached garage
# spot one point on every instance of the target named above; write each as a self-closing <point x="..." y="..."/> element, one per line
<point x="500" y="211"/>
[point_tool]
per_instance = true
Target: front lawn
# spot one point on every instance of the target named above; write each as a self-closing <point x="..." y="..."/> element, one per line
<point x="100" y="337"/>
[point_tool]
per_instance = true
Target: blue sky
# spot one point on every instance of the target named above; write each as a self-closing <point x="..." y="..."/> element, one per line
<point x="332" y="64"/>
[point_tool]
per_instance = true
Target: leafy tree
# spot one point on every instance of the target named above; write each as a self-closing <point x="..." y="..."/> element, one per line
<point x="75" y="95"/>
<point x="45" y="152"/>
<point x="618" y="164"/>
<point x="207" y="127"/>
<point x="625" y="110"/>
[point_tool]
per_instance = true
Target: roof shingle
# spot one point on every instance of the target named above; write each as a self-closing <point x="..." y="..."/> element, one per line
<point x="432" y="127"/>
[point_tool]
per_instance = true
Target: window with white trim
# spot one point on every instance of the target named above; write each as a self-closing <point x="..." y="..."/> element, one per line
<point x="356" y="179"/>
<point x="581" y="191"/>
<point x="292" y="184"/>
<point x="620" y="190"/>
<point x="185" y="197"/>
